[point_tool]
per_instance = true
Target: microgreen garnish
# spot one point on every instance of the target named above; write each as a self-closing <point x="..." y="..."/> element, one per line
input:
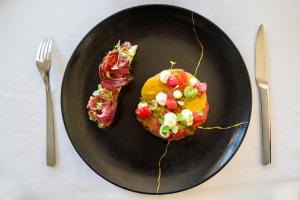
<point x="100" y="125"/>
<point x="98" y="91"/>
<point x="105" y="94"/>
<point x="161" y="119"/>
<point x="190" y="92"/>
<point x="118" y="45"/>
<point x="179" y="117"/>
<point x="172" y="64"/>
<point x="165" y="129"/>
<point x="153" y="105"/>
<point x="99" y="106"/>
<point x="127" y="54"/>
<point x="181" y="126"/>
<point x="155" y="113"/>
<point x="92" y="117"/>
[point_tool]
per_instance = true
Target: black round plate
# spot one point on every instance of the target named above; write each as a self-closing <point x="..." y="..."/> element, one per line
<point x="126" y="154"/>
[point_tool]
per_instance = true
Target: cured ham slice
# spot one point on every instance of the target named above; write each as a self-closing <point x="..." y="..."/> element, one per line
<point x="114" y="72"/>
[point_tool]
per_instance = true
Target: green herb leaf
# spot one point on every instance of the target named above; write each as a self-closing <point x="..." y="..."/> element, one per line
<point x="181" y="126"/>
<point x="161" y="121"/>
<point x="155" y="113"/>
<point x="165" y="129"/>
<point x="96" y="93"/>
<point x="153" y="105"/>
<point x="99" y="106"/>
<point x="100" y="125"/>
<point x="190" y="92"/>
<point x="92" y="118"/>
<point x="179" y="117"/>
<point x="118" y="45"/>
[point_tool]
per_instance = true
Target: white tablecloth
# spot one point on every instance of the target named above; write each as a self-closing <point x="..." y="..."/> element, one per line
<point x="23" y="171"/>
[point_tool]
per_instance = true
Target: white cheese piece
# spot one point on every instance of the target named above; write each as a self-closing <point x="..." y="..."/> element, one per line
<point x="161" y="98"/>
<point x="193" y="81"/>
<point x="164" y="75"/>
<point x="177" y="94"/>
<point x="170" y="119"/>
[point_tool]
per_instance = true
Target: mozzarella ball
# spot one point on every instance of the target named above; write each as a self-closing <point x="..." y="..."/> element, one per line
<point x="193" y="81"/>
<point x="142" y="104"/>
<point x="177" y="94"/>
<point x="170" y="119"/>
<point x="161" y="98"/>
<point x="187" y="116"/>
<point x="164" y="75"/>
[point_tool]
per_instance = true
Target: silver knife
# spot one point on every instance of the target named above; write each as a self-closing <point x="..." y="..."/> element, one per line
<point x="262" y="79"/>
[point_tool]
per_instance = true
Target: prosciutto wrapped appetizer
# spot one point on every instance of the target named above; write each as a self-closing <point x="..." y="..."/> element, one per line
<point x="114" y="72"/>
<point x="173" y="104"/>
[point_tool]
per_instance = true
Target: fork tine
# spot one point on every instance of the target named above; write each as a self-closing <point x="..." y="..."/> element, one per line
<point x="45" y="49"/>
<point x="48" y="55"/>
<point x="38" y="54"/>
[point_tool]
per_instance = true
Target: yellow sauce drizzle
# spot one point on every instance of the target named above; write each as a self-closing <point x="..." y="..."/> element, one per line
<point x="200" y="43"/>
<point x="222" y="128"/>
<point x="159" y="168"/>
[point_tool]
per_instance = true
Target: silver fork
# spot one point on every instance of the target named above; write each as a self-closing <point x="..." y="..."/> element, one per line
<point x="43" y="63"/>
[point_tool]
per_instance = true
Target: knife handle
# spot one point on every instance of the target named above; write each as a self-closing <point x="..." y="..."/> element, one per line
<point x="266" y="123"/>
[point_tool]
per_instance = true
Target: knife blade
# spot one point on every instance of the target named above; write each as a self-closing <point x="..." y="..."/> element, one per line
<point x="262" y="79"/>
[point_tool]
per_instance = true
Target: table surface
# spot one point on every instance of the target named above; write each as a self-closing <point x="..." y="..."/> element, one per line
<point x="23" y="170"/>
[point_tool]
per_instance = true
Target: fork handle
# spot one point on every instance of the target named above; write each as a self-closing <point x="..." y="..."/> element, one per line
<point x="266" y="123"/>
<point x="50" y="138"/>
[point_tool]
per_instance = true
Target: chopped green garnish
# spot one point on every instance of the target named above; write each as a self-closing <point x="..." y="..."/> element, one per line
<point x="181" y="126"/>
<point x="155" y="113"/>
<point x="174" y="129"/>
<point x="165" y="129"/>
<point x="161" y="121"/>
<point x="118" y="45"/>
<point x="153" y="105"/>
<point x="100" y="125"/>
<point x="190" y="92"/>
<point x="98" y="91"/>
<point x="179" y="117"/>
<point x="99" y="106"/>
<point x="92" y="118"/>
<point x="127" y="54"/>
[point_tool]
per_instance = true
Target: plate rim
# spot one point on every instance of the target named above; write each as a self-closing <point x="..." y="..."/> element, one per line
<point x="173" y="7"/>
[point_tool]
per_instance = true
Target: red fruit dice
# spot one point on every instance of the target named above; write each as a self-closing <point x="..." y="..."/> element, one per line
<point x="183" y="79"/>
<point x="143" y="112"/>
<point x="202" y="87"/>
<point x="197" y="119"/>
<point x="171" y="103"/>
<point x="172" y="81"/>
